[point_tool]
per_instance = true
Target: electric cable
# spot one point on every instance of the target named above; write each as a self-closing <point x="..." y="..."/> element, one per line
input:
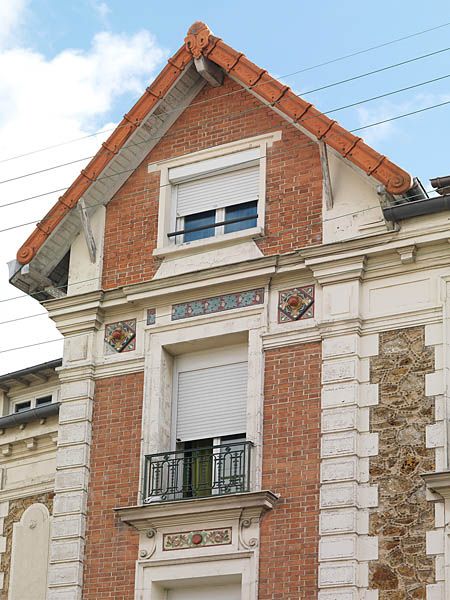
<point x="330" y="85"/>
<point x="303" y="70"/>
<point x="370" y="99"/>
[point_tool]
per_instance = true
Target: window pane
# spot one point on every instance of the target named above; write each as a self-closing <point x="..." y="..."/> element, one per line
<point x="19" y="407"/>
<point x="240" y="211"/>
<point x="43" y="400"/>
<point x="199" y="220"/>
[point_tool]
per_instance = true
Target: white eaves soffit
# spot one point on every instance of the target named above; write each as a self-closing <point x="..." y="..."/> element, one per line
<point x="111" y="179"/>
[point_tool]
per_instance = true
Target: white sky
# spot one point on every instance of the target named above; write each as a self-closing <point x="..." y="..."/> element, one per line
<point x="44" y="102"/>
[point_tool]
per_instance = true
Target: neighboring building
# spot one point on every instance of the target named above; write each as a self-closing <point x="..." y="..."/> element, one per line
<point x="28" y="437"/>
<point x="254" y="377"/>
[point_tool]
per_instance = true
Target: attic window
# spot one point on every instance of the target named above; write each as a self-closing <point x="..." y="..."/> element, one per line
<point x="215" y="196"/>
<point x="218" y="200"/>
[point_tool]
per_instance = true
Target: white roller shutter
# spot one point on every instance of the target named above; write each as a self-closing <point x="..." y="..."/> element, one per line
<point x="217" y="191"/>
<point x="212" y="402"/>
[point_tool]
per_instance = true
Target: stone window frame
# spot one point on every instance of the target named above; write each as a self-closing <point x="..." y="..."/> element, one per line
<point x="166" y="211"/>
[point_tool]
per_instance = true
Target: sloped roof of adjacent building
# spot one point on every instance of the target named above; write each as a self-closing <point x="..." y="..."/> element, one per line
<point x="200" y="42"/>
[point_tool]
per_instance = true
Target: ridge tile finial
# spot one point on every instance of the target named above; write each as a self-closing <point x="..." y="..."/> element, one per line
<point x="197" y="38"/>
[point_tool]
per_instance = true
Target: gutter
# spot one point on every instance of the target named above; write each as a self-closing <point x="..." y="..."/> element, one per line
<point x="27" y="416"/>
<point x="417" y="208"/>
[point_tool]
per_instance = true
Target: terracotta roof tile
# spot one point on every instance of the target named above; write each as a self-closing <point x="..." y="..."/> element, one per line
<point x="199" y="41"/>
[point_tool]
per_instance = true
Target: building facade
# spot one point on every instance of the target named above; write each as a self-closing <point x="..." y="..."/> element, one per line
<point x="253" y="393"/>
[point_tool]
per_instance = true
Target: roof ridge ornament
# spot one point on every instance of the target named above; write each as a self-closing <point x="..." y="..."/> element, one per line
<point x="197" y="38"/>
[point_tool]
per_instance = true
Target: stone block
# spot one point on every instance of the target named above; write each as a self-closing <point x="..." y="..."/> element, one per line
<point x="70" y="503"/>
<point x="65" y="550"/>
<point x="368" y="345"/>
<point x="340" y="345"/>
<point x="339" y="594"/>
<point x="333" y="522"/>
<point x="2" y="543"/>
<point x="339" y="419"/>
<point x="338" y="547"/>
<point x="368" y="547"/>
<point x="434" y="383"/>
<point x="435" y="435"/>
<point x="77" y="389"/>
<point x="339" y="470"/>
<point x="77" y="410"/>
<point x="435" y="542"/>
<point x="65" y="593"/>
<point x="434" y="334"/>
<point x="4" y="509"/>
<point x="71" y="479"/>
<point x="368" y="444"/>
<point x="368" y="394"/>
<point x="436" y="591"/>
<point x="72" y="456"/>
<point x="338" y="495"/>
<point x="338" y="574"/>
<point x="64" y="574"/>
<point x="340" y="394"/>
<point x="74" y="433"/>
<point x="340" y="370"/>
<point x="339" y="444"/>
<point x="68" y="527"/>
<point x="368" y="496"/>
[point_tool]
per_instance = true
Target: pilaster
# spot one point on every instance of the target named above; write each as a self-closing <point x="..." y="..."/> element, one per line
<point x="79" y="324"/>
<point x="345" y="547"/>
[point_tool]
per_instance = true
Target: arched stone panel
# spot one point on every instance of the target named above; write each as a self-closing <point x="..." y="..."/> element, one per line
<point x="29" y="557"/>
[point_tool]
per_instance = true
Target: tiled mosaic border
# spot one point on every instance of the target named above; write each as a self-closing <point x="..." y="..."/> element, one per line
<point x="207" y="306"/>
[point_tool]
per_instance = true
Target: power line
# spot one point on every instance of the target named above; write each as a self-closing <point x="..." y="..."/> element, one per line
<point x="381" y="70"/>
<point x="395" y="118"/>
<point x="427" y="82"/>
<point x="303" y="70"/>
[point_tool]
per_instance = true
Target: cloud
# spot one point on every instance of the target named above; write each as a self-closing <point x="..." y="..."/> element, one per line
<point x="46" y="101"/>
<point x="102" y="9"/>
<point x="11" y="15"/>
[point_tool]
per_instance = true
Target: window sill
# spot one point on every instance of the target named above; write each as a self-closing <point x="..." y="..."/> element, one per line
<point x="219" y="241"/>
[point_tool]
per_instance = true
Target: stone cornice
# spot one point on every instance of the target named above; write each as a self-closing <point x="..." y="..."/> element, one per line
<point x="439" y="483"/>
<point x="184" y="512"/>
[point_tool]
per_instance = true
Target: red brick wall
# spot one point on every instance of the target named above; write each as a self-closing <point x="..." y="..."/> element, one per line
<point x="291" y="462"/>
<point x="111" y="546"/>
<point x="294" y="183"/>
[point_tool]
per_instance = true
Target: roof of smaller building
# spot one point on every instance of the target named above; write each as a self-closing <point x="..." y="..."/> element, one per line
<point x="26" y="375"/>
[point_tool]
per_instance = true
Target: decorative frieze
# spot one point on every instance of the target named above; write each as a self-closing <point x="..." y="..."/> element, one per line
<point x="296" y="303"/>
<point x="215" y="304"/>
<point x="197" y="539"/>
<point x="120" y="336"/>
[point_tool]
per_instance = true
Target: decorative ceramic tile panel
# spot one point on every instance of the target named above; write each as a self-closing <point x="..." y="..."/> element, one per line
<point x="207" y="306"/>
<point x="120" y="336"/>
<point x="295" y="304"/>
<point x="197" y="539"/>
<point x="151" y="316"/>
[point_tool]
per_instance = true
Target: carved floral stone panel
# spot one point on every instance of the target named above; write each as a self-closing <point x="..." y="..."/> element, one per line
<point x="403" y="516"/>
<point x="120" y="336"/>
<point x="197" y="539"/>
<point x="296" y="303"/>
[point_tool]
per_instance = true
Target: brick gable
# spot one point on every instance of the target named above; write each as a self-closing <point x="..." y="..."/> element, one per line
<point x="294" y="183"/>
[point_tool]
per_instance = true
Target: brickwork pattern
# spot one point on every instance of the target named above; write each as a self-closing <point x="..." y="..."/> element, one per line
<point x="403" y="516"/>
<point x="111" y="546"/>
<point x="294" y="183"/>
<point x="16" y="509"/>
<point x="291" y="463"/>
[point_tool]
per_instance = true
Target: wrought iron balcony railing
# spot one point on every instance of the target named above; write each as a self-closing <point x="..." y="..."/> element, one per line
<point x="197" y="472"/>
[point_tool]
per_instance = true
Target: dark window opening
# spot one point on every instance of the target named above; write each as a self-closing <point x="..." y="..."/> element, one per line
<point x="43" y="400"/>
<point x="199" y="220"/>
<point x="247" y="212"/>
<point x="21" y="406"/>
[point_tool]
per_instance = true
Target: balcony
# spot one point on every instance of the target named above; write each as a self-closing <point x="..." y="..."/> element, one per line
<point x="197" y="472"/>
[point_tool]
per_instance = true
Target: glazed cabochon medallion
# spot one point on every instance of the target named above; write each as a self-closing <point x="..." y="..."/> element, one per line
<point x="296" y="303"/>
<point x="197" y="539"/>
<point x="120" y="336"/>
